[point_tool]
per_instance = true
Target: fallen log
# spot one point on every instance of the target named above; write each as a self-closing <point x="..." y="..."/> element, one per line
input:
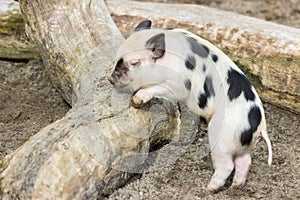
<point x="99" y="144"/>
<point x="102" y="141"/>
<point x="268" y="53"/>
<point x="13" y="41"/>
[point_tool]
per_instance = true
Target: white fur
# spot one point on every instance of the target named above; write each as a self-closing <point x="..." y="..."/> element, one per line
<point x="164" y="78"/>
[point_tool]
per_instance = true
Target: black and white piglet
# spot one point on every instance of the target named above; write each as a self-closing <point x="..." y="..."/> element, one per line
<point x="177" y="65"/>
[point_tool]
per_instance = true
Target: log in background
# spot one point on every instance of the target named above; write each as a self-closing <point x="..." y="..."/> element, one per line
<point x="268" y="53"/>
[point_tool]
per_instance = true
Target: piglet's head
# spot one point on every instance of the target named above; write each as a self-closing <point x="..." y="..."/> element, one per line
<point x="137" y="58"/>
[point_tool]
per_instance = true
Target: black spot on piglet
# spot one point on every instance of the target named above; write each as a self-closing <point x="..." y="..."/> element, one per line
<point x="238" y="83"/>
<point x="208" y="86"/>
<point x="204" y="68"/>
<point x="188" y="84"/>
<point x="120" y="63"/>
<point x="190" y="62"/>
<point x="120" y="69"/>
<point x="214" y="58"/>
<point x="157" y="45"/>
<point x="254" y="118"/>
<point x="208" y="92"/>
<point x="202" y="100"/>
<point x="199" y="49"/>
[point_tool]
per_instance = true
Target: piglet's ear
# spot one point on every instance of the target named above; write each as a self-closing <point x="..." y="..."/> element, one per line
<point x="157" y="45"/>
<point x="146" y="24"/>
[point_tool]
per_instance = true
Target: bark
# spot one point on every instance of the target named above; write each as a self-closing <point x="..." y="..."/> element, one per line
<point x="268" y="53"/>
<point x="102" y="141"/>
<point x="13" y="41"/>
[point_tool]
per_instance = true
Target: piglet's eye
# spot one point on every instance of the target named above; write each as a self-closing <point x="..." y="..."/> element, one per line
<point x="135" y="63"/>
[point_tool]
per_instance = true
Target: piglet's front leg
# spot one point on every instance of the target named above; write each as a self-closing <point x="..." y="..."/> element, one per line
<point x="141" y="97"/>
<point x="144" y="95"/>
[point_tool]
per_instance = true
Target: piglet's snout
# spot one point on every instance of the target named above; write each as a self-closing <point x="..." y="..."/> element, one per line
<point x="111" y="80"/>
<point x="115" y="77"/>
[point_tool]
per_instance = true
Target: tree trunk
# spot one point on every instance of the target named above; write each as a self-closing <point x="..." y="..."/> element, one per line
<point x="101" y="141"/>
<point x="268" y="53"/>
<point x="13" y="42"/>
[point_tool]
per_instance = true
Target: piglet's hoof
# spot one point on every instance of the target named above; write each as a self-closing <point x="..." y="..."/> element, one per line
<point x="136" y="101"/>
<point x="212" y="189"/>
<point x="237" y="185"/>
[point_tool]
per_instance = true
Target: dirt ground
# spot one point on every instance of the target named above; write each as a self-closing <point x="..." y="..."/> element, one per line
<point x="28" y="102"/>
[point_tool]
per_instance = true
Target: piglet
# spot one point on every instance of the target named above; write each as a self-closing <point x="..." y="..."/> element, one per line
<point x="178" y="65"/>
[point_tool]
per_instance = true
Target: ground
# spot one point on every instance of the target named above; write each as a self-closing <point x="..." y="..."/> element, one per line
<point x="29" y="102"/>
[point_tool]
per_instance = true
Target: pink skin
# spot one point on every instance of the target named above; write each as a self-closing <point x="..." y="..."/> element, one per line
<point x="162" y="74"/>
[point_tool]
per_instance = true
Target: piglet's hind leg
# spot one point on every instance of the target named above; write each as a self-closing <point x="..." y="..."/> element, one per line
<point x="242" y="165"/>
<point x="223" y="165"/>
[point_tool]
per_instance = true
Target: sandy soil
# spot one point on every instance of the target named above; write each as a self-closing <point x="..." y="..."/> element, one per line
<point x="29" y="102"/>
